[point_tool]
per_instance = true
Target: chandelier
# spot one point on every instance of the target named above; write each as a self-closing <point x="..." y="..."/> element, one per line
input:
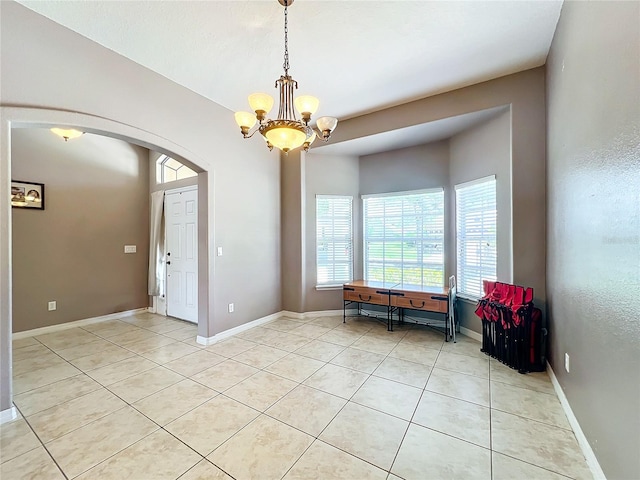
<point x="285" y="132"/>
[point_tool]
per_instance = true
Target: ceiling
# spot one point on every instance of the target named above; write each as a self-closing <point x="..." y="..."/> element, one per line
<point x="356" y="56"/>
<point x="409" y="136"/>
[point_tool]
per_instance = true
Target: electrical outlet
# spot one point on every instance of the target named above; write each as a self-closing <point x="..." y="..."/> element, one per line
<point x="129" y="249"/>
<point x="566" y="362"/>
<point x="231" y="308"/>
<point x="52" y="305"/>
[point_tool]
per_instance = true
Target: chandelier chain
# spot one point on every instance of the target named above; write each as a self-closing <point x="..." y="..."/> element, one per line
<point x="285" y="132"/>
<point x="285" y="65"/>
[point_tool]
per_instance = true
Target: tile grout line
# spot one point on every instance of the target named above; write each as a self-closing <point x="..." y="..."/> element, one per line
<point x="315" y="438"/>
<point x="263" y="369"/>
<point x="388" y="471"/>
<point x="208" y="461"/>
<point x="106" y="388"/>
<point x="516" y="415"/>
<point x="299" y="383"/>
<point x="424" y="389"/>
<point x="127" y="404"/>
<point x="41" y="443"/>
<point x="490" y="423"/>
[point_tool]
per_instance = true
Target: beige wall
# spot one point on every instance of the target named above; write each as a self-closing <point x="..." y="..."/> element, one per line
<point x="96" y="201"/>
<point x="109" y="93"/>
<point x="593" y="87"/>
<point x="525" y="93"/>
<point x="406" y="169"/>
<point x="327" y="175"/>
<point x="475" y="153"/>
<point x="514" y="141"/>
<point x="292" y="195"/>
<point x="413" y="168"/>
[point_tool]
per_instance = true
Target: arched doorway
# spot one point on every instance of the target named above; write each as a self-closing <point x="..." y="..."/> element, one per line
<point x="18" y="117"/>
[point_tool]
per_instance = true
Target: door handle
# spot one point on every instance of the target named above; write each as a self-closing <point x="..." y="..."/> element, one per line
<point x="168" y="263"/>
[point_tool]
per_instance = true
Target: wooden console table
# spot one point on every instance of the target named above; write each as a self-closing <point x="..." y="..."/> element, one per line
<point x="399" y="297"/>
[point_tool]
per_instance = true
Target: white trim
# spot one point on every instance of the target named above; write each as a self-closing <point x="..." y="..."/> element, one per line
<point x="320" y="313"/>
<point x="402" y="194"/>
<point x="329" y="287"/>
<point x="471" y="334"/>
<point x="260" y="321"/>
<point x="8" y="415"/>
<point x="475" y="182"/>
<point x="587" y="451"/>
<point x="77" y="323"/>
<point x="235" y="330"/>
<point x="206" y="340"/>
<point x="467" y="298"/>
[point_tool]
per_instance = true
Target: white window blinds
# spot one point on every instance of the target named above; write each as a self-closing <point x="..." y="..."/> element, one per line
<point x="476" y="235"/>
<point x="404" y="237"/>
<point x="334" y="239"/>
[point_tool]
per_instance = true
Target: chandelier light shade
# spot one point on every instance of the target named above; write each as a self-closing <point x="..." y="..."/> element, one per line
<point x="327" y="125"/>
<point x="285" y="132"/>
<point x="67" y="133"/>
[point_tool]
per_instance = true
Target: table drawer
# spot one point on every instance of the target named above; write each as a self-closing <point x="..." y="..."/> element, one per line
<point x="417" y="301"/>
<point x="366" y="296"/>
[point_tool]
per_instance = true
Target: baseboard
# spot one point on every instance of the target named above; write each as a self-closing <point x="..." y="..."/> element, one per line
<point x="471" y="334"/>
<point x="587" y="451"/>
<point x="321" y="313"/>
<point x="77" y="323"/>
<point x="260" y="321"/>
<point x="235" y="330"/>
<point x="8" y="415"/>
<point x="296" y="315"/>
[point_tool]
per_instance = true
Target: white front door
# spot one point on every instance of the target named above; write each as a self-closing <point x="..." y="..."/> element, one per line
<point x="181" y="220"/>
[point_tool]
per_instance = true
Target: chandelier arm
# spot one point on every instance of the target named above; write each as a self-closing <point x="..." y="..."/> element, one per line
<point x="320" y="134"/>
<point x="257" y="129"/>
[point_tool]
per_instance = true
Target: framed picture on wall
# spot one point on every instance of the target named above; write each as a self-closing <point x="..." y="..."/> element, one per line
<point x="27" y="195"/>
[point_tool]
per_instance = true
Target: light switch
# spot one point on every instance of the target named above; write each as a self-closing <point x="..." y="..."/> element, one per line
<point x="129" y="249"/>
<point x="219" y="251"/>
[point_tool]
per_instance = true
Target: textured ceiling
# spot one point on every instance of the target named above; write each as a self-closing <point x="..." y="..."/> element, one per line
<point x="356" y="56"/>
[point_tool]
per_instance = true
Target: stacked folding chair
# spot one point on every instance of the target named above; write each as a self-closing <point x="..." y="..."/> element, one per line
<point x="511" y="326"/>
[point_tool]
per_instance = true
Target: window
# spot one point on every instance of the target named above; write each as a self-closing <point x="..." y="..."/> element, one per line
<point x="334" y="239"/>
<point x="170" y="170"/>
<point x="476" y="235"/>
<point x="404" y="237"/>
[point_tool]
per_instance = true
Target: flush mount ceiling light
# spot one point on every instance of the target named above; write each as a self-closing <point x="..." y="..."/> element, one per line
<point x="285" y="132"/>
<point x="67" y="133"/>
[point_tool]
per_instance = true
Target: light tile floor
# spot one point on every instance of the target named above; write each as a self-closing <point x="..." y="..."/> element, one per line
<point x="138" y="398"/>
